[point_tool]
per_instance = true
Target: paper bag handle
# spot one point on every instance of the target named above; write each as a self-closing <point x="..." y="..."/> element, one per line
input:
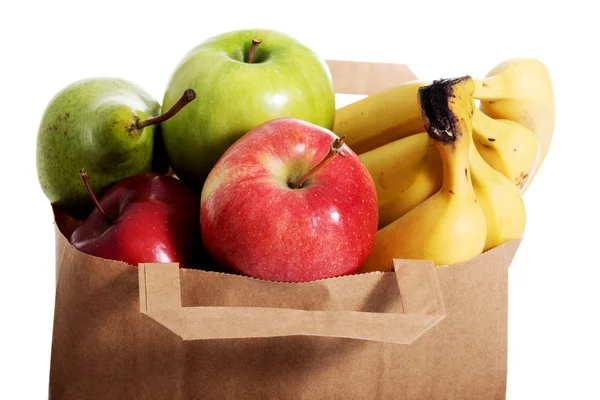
<point x="160" y="299"/>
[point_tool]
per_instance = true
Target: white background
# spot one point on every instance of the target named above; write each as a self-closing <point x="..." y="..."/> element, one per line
<point x="553" y="333"/>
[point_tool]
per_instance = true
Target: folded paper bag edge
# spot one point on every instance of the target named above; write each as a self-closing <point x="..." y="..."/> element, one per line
<point x="160" y="300"/>
<point x="163" y="290"/>
<point x="365" y="78"/>
<point x="419" y="278"/>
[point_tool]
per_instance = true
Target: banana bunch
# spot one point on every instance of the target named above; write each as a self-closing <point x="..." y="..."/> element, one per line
<point x="476" y="207"/>
<point x="511" y="133"/>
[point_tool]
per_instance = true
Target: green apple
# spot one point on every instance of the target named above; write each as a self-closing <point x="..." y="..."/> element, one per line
<point x="242" y="79"/>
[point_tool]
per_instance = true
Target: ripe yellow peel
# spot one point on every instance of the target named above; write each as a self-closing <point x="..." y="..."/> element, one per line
<point x="500" y="201"/>
<point x="521" y="90"/>
<point x="449" y="227"/>
<point x="408" y="171"/>
<point x="405" y="172"/>
<point x="507" y="146"/>
<point x="380" y="118"/>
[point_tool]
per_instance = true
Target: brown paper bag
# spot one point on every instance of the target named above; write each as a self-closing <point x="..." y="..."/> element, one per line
<point x="160" y="332"/>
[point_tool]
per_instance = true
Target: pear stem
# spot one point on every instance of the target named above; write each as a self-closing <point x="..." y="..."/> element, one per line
<point x="84" y="178"/>
<point x="252" y="52"/>
<point x="187" y="97"/>
<point x="334" y="149"/>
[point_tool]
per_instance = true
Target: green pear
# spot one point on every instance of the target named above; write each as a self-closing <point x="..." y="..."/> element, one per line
<point x="108" y="126"/>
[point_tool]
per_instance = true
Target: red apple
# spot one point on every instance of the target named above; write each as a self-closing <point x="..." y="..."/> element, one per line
<point x="254" y="223"/>
<point x="148" y="217"/>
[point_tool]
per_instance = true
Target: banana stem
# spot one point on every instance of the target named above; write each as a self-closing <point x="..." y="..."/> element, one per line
<point x="482" y="124"/>
<point x="455" y="162"/>
<point x="477" y="164"/>
<point x="437" y="104"/>
<point x="481" y="120"/>
<point x="447" y="106"/>
<point x="488" y="89"/>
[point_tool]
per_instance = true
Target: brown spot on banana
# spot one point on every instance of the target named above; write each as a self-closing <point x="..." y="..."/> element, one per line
<point x="521" y="179"/>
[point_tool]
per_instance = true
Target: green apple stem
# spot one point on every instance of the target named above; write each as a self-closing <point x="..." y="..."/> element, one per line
<point x="334" y="149"/>
<point x="252" y="52"/>
<point x="187" y="97"/>
<point x="84" y="178"/>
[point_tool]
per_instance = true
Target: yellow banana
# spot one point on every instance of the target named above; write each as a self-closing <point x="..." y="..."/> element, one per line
<point x="408" y="171"/>
<point x="381" y="117"/>
<point x="405" y="172"/>
<point x="508" y="94"/>
<point x="507" y="146"/>
<point x="521" y="90"/>
<point x="449" y="227"/>
<point x="500" y="201"/>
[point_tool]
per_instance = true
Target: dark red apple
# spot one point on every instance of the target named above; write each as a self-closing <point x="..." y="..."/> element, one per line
<point x="254" y="222"/>
<point x="148" y="217"/>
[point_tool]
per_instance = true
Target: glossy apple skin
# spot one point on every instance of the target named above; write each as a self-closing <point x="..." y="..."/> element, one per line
<point x="253" y="223"/>
<point x="155" y="219"/>
<point x="287" y="79"/>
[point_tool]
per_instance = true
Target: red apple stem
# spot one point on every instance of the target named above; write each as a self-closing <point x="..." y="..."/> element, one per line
<point x="334" y="149"/>
<point x="86" y="182"/>
<point x="187" y="97"/>
<point x="252" y="52"/>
